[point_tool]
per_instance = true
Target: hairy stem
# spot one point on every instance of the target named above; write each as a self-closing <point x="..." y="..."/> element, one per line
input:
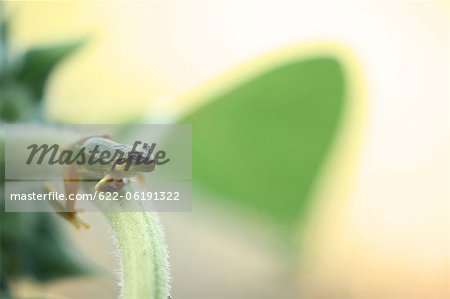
<point x="143" y="255"/>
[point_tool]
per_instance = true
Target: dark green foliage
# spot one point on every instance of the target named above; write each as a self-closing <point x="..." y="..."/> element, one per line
<point x="38" y="63"/>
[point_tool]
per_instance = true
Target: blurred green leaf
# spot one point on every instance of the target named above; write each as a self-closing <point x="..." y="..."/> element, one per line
<point x="262" y="144"/>
<point x="33" y="245"/>
<point x="38" y="63"/>
<point x="16" y="104"/>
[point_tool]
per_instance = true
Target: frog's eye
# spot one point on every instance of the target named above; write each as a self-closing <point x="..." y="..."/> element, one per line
<point x="134" y="156"/>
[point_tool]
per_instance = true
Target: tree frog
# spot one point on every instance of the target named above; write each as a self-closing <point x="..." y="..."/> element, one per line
<point x="109" y="162"/>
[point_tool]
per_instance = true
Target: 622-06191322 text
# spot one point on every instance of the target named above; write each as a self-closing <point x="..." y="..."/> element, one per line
<point x="156" y="195"/>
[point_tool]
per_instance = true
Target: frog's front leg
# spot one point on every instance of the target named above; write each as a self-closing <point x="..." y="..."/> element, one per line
<point x="110" y="184"/>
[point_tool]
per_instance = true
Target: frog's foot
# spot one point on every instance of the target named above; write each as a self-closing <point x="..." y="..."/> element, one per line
<point x="65" y="212"/>
<point x="74" y="219"/>
<point x="110" y="184"/>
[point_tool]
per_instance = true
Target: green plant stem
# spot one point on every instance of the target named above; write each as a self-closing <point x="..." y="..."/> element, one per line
<point x="142" y="253"/>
